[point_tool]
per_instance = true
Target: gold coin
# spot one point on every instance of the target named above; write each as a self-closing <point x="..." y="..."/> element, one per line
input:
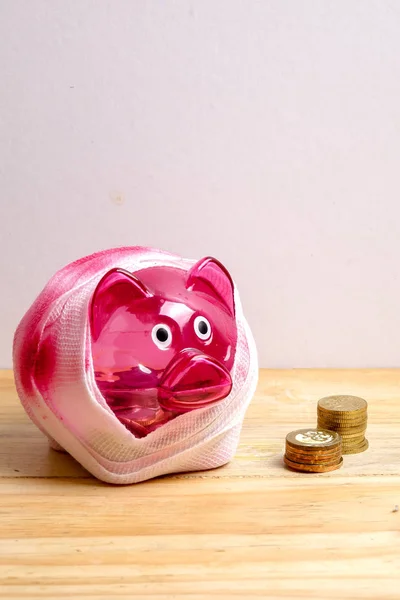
<point x="349" y="440"/>
<point x="316" y="449"/>
<point x="314" y="460"/>
<point x="343" y="404"/>
<point x="320" y="456"/>
<point x="351" y="416"/>
<point x="353" y="443"/>
<point x="349" y="446"/>
<point x="151" y="419"/>
<point x="342" y="417"/>
<point x="341" y="422"/>
<point x="342" y="430"/>
<point x="313" y="438"/>
<point x="357" y="449"/>
<point x="307" y="451"/>
<point x="312" y="468"/>
<point x="346" y="437"/>
<point x="314" y="452"/>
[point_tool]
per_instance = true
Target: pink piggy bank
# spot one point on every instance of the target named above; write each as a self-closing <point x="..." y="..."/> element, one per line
<point x="163" y="341"/>
<point x="138" y="363"/>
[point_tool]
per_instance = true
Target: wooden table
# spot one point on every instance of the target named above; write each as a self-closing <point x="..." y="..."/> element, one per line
<point x="250" y="529"/>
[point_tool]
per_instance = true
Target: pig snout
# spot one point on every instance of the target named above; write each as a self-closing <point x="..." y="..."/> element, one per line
<point x="193" y="380"/>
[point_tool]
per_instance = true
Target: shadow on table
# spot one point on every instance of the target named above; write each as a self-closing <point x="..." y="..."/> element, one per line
<point x="25" y="452"/>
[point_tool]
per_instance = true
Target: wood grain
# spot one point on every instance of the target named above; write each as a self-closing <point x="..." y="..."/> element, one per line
<point x="250" y="529"/>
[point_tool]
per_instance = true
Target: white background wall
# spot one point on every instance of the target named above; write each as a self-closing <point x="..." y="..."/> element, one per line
<point x="266" y="133"/>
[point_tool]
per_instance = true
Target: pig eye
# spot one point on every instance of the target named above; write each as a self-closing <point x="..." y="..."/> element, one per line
<point x="161" y="336"/>
<point x="202" y="328"/>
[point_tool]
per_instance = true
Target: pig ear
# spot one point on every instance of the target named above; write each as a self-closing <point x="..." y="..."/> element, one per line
<point x="211" y="277"/>
<point x="116" y="288"/>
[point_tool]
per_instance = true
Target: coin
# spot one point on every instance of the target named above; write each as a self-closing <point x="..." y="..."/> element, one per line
<point x="354" y="444"/>
<point x="357" y="449"/>
<point x="348" y="437"/>
<point x="342" y="422"/>
<point x="343" y="404"/>
<point x="331" y="420"/>
<point x="313" y="450"/>
<point x="307" y="450"/>
<point x="343" y="415"/>
<point x="314" y="460"/>
<point x="342" y="418"/>
<point x="352" y="439"/>
<point x="320" y="463"/>
<point x="347" y="415"/>
<point x="312" y="439"/>
<point x="304" y="454"/>
<point x="343" y="430"/>
<point x="312" y="468"/>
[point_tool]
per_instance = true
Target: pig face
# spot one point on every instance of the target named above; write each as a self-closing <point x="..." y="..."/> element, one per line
<point x="163" y="341"/>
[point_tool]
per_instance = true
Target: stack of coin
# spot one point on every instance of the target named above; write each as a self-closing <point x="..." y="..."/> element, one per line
<point x="313" y="450"/>
<point x="347" y="415"/>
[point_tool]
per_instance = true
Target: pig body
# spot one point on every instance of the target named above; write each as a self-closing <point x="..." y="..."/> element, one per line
<point x="163" y="341"/>
<point x="101" y="312"/>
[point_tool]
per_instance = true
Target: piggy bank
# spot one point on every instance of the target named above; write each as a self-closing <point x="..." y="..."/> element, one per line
<point x="138" y="363"/>
<point x="163" y="341"/>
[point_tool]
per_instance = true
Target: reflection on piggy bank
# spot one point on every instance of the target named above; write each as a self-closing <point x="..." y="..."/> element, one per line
<point x="163" y="341"/>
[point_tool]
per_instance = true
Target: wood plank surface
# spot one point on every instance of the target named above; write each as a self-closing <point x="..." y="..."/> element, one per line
<point x="250" y="529"/>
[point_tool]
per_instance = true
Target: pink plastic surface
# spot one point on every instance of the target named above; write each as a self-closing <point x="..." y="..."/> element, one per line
<point x="163" y="341"/>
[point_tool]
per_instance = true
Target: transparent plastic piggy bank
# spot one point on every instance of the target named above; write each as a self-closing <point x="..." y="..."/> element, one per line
<point x="138" y="363"/>
<point x="163" y="341"/>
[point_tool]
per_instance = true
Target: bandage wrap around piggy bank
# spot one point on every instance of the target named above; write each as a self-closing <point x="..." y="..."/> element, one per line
<point x="138" y="363"/>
